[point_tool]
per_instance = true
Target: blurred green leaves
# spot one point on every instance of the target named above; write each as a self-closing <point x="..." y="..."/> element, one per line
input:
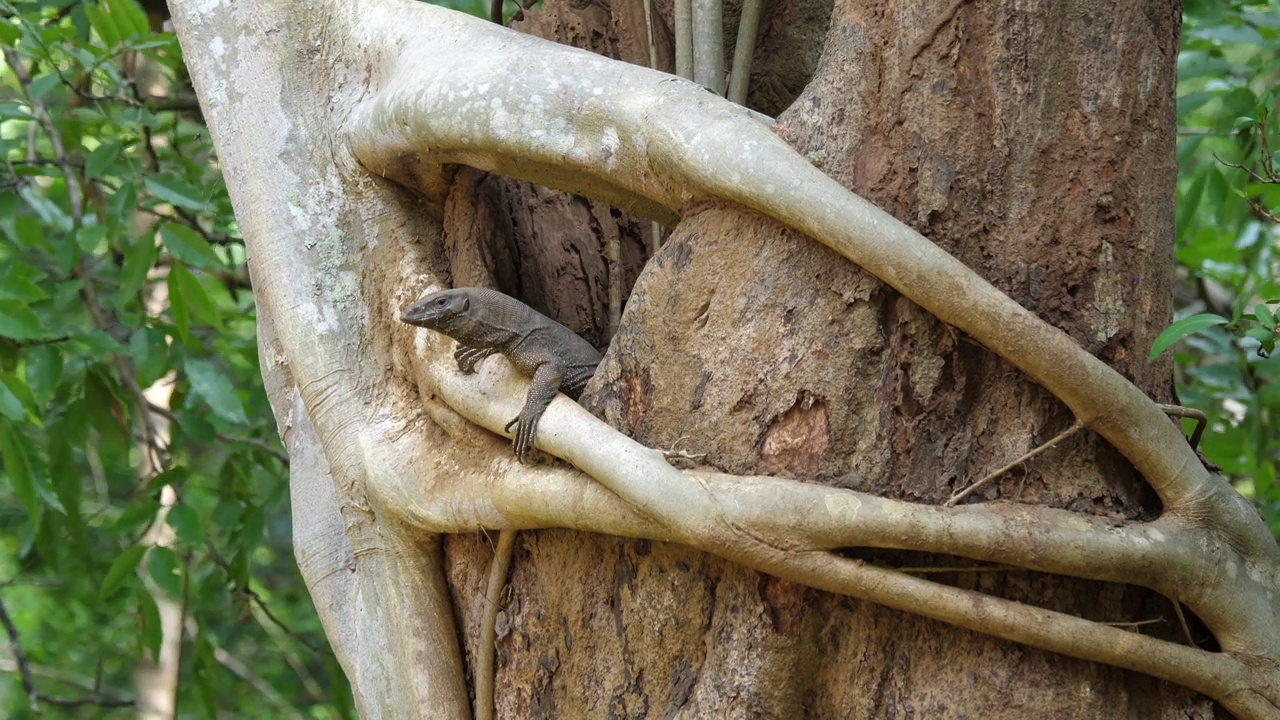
<point x="139" y="461"/>
<point x="1227" y="235"/>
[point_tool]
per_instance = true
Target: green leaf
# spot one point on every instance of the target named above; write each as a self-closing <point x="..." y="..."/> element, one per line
<point x="14" y="287"/>
<point x="1215" y="192"/>
<point x="182" y="282"/>
<point x="181" y="313"/>
<point x="18" y="322"/>
<point x="10" y="406"/>
<point x="138" y="514"/>
<point x="139" y="258"/>
<point x="1182" y="328"/>
<point x="1265" y="315"/>
<point x="92" y="238"/>
<point x="125" y="564"/>
<point x="175" y="191"/>
<point x="1187" y="205"/>
<point x="97" y="162"/>
<point x="66" y="483"/>
<point x="206" y="675"/>
<point x="28" y="230"/>
<point x="122" y="202"/>
<point x="1261" y="334"/>
<point x="149" y="619"/>
<point x="227" y="513"/>
<point x="41" y="86"/>
<point x="1187" y="148"/>
<point x="75" y="422"/>
<point x="173" y="476"/>
<point x="15" y="395"/>
<point x="130" y="18"/>
<point x="208" y="382"/>
<point x="1190" y="102"/>
<point x="43" y="365"/>
<point x="150" y="350"/>
<point x="8" y="33"/>
<point x="165" y="570"/>
<point x="106" y="410"/>
<point x="18" y="467"/>
<point x="185" y="521"/>
<point x="196" y="426"/>
<point x="252" y="525"/>
<point x="188" y="246"/>
<point x="103" y="24"/>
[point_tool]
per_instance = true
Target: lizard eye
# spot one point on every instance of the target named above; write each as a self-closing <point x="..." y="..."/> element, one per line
<point x="441" y="301"/>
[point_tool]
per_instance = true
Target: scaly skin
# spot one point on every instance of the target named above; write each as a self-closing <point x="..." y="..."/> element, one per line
<point x="484" y="322"/>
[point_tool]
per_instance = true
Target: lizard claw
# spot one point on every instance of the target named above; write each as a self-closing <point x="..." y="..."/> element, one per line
<point x="522" y="440"/>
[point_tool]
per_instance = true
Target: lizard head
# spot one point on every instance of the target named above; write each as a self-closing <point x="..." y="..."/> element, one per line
<point x="436" y="310"/>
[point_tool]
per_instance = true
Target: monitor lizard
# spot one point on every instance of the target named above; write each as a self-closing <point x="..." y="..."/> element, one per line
<point x="484" y="322"/>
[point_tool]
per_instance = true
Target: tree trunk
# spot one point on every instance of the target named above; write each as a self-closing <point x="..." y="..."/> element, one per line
<point x="1035" y="144"/>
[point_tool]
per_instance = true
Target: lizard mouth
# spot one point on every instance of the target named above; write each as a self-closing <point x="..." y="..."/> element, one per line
<point x="417" y="314"/>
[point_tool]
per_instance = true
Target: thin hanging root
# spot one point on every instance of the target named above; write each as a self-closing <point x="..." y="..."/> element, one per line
<point x="487" y="646"/>
<point x="1182" y="618"/>
<point x="1186" y="412"/>
<point x="1075" y="427"/>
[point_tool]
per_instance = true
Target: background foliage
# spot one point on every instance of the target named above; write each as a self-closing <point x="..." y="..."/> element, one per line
<point x="122" y="275"/>
<point x="122" y="270"/>
<point x="1228" y="226"/>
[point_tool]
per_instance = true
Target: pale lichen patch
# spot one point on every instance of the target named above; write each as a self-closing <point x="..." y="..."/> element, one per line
<point x="842" y="506"/>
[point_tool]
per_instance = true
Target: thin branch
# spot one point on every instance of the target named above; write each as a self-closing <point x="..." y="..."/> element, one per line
<point x="684" y="38"/>
<point x="1185" y="412"/>
<point x="93" y="687"/>
<point x="95" y="700"/>
<point x="1075" y="428"/>
<point x="266" y="610"/>
<point x="744" y="50"/>
<point x="708" y="44"/>
<point x="649" y="35"/>
<point x="1205" y="131"/>
<point x="1136" y="623"/>
<point x="42" y="116"/>
<point x="257" y="682"/>
<point x="486" y="665"/>
<point x="20" y="657"/>
<point x="1250" y="171"/>
<point x="253" y="442"/>
<point x="222" y="564"/>
<point x="1182" y="620"/>
<point x="945" y="570"/>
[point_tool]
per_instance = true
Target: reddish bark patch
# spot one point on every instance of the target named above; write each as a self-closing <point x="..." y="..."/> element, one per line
<point x="784" y="601"/>
<point x="795" y="440"/>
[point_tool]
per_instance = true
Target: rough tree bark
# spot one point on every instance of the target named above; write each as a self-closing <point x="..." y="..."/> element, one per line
<point x="1032" y="142"/>
<point x="794" y="363"/>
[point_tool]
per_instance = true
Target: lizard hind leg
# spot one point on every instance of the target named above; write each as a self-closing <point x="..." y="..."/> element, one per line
<point x="546" y="383"/>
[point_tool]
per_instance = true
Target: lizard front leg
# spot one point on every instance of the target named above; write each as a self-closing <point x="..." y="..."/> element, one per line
<point x="467" y="357"/>
<point x="546" y="383"/>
